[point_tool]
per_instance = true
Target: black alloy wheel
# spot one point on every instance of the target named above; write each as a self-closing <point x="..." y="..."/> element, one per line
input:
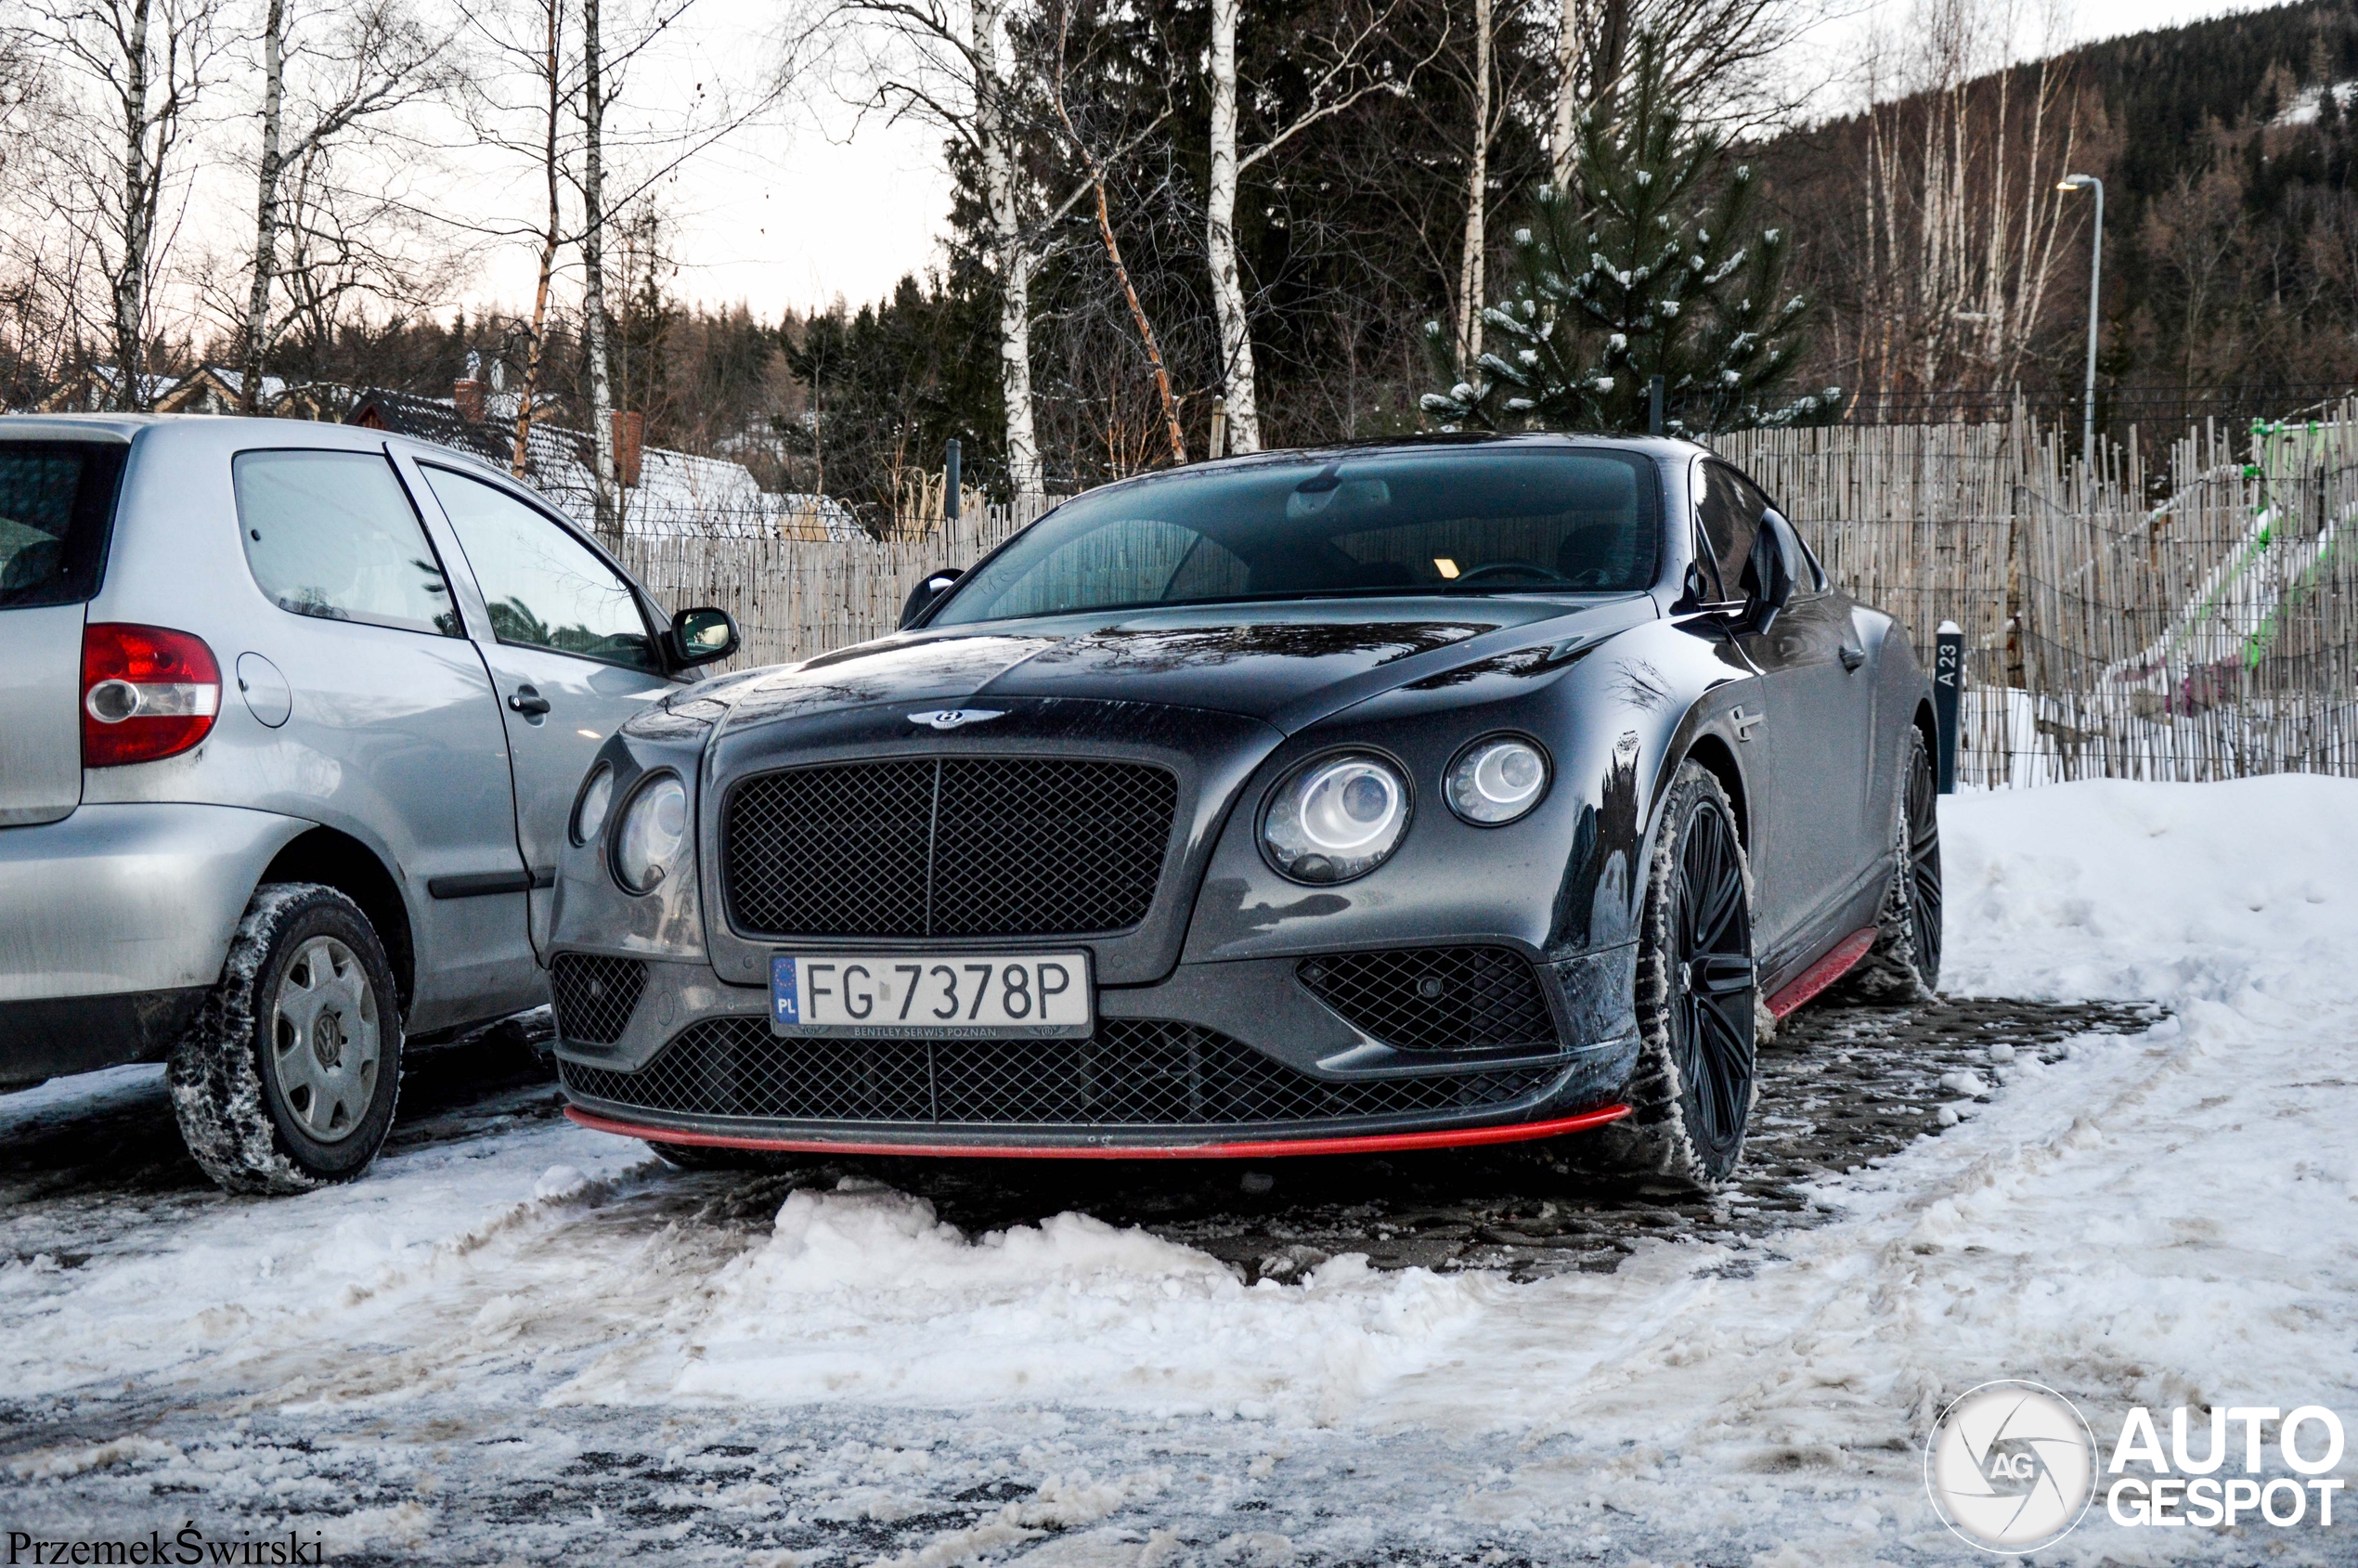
<point x="1711" y="1009"/>
<point x="1923" y="864"/>
<point x="1903" y="967"/>
<point x="1689" y="1091"/>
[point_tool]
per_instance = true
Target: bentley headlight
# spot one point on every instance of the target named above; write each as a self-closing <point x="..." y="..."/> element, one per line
<point x="1339" y="818"/>
<point x="654" y="827"/>
<point x="590" y="813"/>
<point x="1497" y="781"/>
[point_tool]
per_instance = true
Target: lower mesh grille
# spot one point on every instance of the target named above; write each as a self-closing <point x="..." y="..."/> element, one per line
<point x="595" y="996"/>
<point x="1435" y="997"/>
<point x="1133" y="1073"/>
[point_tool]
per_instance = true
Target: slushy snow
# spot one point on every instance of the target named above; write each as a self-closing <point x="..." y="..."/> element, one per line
<point x="2154" y="1220"/>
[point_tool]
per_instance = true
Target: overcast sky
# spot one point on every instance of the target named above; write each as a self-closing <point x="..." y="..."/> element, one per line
<point x="793" y="216"/>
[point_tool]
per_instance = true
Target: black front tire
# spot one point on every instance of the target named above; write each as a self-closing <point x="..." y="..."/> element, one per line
<point x="1903" y="967"/>
<point x="287" y="1079"/>
<point x="1691" y="1098"/>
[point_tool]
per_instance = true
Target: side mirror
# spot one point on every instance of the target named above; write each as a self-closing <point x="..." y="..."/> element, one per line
<point x="1768" y="574"/>
<point x="921" y="597"/>
<point x="702" y="635"/>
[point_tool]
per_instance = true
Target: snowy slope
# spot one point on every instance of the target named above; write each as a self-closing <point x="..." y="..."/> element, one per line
<point x="2158" y="1220"/>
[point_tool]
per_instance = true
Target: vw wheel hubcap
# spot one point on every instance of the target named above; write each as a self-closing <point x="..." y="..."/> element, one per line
<point x="324" y="1039"/>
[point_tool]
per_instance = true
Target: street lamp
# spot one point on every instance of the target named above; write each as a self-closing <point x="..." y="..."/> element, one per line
<point x="2095" y="280"/>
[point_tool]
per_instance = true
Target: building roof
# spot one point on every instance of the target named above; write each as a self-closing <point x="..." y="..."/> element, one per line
<point x="678" y="493"/>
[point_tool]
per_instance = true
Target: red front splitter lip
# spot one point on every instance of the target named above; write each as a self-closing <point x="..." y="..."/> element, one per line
<point x="1373" y="1143"/>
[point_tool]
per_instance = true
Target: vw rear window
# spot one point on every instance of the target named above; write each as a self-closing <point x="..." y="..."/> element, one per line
<point x="57" y="501"/>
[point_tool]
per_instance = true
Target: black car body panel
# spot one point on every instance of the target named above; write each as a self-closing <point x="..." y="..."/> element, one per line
<point x="1804" y="719"/>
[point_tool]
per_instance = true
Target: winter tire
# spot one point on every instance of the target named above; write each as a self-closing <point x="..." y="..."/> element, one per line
<point x="1904" y="964"/>
<point x="1690" y="1098"/>
<point x="288" y="1078"/>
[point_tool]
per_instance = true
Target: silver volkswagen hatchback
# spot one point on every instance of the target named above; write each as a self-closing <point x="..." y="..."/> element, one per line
<point x="291" y="719"/>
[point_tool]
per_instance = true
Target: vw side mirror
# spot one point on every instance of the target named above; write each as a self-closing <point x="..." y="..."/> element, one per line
<point x="702" y="635"/>
<point x="921" y="597"/>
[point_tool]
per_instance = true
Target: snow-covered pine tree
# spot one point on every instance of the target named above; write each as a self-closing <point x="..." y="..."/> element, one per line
<point x="1648" y="268"/>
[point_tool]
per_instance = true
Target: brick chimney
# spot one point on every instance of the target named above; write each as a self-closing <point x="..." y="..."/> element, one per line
<point x="467" y="394"/>
<point x="629" y="445"/>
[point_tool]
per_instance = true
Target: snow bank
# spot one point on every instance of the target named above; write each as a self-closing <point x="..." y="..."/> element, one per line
<point x="2241" y="894"/>
<point x="862" y="1293"/>
<point x="248" y="1289"/>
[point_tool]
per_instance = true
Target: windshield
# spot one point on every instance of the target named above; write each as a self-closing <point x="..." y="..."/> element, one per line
<point x="1546" y="521"/>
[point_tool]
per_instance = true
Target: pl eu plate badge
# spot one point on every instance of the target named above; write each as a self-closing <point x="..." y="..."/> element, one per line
<point x="785" y="1005"/>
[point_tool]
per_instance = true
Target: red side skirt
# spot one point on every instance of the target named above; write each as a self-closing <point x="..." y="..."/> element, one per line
<point x="1824" y="973"/>
<point x="1377" y="1143"/>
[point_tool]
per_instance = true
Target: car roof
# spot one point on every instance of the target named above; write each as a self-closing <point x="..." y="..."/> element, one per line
<point x="1663" y="448"/>
<point x="238" y="433"/>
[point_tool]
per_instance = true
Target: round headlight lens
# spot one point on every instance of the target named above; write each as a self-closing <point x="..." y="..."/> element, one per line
<point x="589" y="814"/>
<point x="1498" y="781"/>
<point x="1339" y="818"/>
<point x="654" y="827"/>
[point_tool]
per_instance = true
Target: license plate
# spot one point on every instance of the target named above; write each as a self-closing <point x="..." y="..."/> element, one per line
<point x="946" y="996"/>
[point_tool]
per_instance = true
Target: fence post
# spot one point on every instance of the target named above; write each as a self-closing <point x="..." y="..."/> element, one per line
<point x="1653" y="406"/>
<point x="950" y="482"/>
<point x="1948" y="679"/>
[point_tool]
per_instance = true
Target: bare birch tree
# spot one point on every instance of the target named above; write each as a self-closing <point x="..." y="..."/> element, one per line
<point x="1096" y="179"/>
<point x="1722" y="57"/>
<point x="955" y="66"/>
<point x="1470" y="266"/>
<point x="1345" y="64"/>
<point x="512" y="43"/>
<point x="369" y="61"/>
<point x="136" y="71"/>
<point x="593" y="274"/>
<point x="1962" y="219"/>
<point x="962" y="69"/>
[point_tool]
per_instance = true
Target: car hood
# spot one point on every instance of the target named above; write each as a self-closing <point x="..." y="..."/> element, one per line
<point x="1286" y="665"/>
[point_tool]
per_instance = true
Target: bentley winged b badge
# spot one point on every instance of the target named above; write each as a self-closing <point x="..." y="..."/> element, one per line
<point x="950" y="718"/>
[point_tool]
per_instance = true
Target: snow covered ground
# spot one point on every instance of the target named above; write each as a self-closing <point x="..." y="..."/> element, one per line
<point x="524" y="1344"/>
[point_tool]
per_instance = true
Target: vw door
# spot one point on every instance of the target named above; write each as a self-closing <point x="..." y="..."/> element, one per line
<point x="569" y="651"/>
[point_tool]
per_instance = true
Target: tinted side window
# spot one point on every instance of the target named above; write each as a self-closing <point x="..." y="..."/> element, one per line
<point x="1815" y="574"/>
<point x="332" y="535"/>
<point x="545" y="587"/>
<point x="1730" y="521"/>
<point x="57" y="499"/>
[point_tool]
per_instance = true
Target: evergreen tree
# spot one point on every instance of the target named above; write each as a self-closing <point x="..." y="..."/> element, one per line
<point x="1642" y="270"/>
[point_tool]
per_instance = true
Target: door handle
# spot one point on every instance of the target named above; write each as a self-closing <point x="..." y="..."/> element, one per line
<point x="1853" y="657"/>
<point x="529" y="702"/>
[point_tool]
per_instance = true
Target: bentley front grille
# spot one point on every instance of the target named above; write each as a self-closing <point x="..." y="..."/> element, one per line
<point x="946" y="847"/>
<point x="1435" y="997"/>
<point x="594" y="995"/>
<point x="1133" y="1073"/>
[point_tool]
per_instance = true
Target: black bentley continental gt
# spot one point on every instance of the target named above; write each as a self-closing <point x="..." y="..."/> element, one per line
<point x="1377" y="797"/>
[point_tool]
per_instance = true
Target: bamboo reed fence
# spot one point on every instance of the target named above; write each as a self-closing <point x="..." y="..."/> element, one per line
<point x="2209" y="636"/>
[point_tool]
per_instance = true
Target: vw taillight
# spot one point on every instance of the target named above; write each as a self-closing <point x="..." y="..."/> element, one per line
<point x="146" y="693"/>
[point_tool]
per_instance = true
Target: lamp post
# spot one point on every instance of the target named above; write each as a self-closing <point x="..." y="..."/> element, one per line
<point x="2095" y="280"/>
